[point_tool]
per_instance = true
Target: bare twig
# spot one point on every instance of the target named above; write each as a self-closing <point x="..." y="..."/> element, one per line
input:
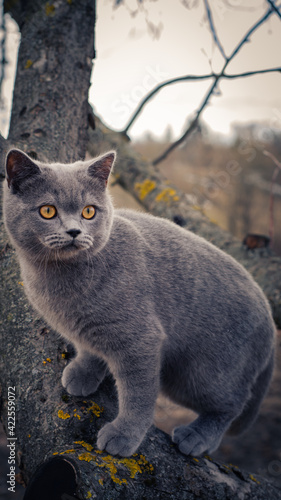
<point x="274" y="7"/>
<point x="250" y="73"/>
<point x="194" y="122"/>
<point x="271" y="203"/>
<point x="190" y="128"/>
<point x="249" y="33"/>
<point x="238" y="6"/>
<point x="213" y="30"/>
<point x="191" y="78"/>
<point x="157" y="89"/>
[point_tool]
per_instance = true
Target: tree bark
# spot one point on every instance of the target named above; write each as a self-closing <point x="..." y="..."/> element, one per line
<point x="50" y="100"/>
<point x="52" y="429"/>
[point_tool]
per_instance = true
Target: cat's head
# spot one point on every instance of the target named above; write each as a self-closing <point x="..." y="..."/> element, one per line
<point x="57" y="211"/>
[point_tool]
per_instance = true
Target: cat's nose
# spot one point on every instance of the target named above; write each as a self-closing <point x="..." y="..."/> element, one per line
<point x="73" y="232"/>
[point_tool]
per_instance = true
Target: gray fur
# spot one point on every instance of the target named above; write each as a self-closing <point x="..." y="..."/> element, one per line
<point x="158" y="306"/>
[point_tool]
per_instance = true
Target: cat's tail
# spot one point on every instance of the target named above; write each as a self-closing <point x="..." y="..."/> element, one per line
<point x="250" y="411"/>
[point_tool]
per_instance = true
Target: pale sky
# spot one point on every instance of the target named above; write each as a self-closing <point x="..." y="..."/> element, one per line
<point x="131" y="61"/>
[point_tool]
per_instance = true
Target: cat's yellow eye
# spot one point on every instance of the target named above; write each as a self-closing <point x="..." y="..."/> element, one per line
<point x="48" y="211"/>
<point x="88" y="212"/>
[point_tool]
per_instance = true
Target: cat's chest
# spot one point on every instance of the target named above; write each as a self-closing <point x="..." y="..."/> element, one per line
<point x="64" y="296"/>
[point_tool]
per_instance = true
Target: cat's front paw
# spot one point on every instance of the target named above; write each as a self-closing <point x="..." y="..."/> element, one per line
<point x="119" y="439"/>
<point x="80" y="380"/>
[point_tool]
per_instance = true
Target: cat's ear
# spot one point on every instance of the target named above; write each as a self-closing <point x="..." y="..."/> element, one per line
<point x="102" y="166"/>
<point x="19" y="167"/>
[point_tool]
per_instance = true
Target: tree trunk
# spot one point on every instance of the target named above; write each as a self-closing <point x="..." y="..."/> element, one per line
<point x="49" y="120"/>
<point x="50" y="101"/>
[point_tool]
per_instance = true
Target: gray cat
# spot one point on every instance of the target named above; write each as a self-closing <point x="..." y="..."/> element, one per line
<point x="158" y="306"/>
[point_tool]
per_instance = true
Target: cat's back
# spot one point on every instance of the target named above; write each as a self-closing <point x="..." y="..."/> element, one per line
<point x="156" y="231"/>
<point x="191" y="273"/>
<point x="166" y="240"/>
<point x="180" y="259"/>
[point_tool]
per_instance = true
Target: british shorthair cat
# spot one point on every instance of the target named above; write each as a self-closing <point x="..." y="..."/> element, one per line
<point x="156" y="305"/>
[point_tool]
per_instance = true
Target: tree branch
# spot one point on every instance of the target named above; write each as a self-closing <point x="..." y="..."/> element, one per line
<point x="251" y="73"/>
<point x="247" y="36"/>
<point x="157" y="89"/>
<point x="276" y="9"/>
<point x="213" y="30"/>
<point x="194" y="122"/>
<point x="191" y="78"/>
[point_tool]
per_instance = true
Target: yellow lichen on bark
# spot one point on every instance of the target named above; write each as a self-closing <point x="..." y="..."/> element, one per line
<point x="167" y="195"/>
<point x="63" y="415"/>
<point x="95" y="409"/>
<point x="88" y="446"/>
<point x="28" y="64"/>
<point x="135" y="465"/>
<point x="144" y="188"/>
<point x="49" y="9"/>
